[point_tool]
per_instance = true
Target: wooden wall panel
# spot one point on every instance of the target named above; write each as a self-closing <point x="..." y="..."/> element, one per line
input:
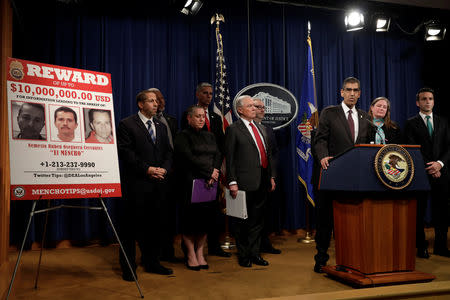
<point x="6" y="51"/>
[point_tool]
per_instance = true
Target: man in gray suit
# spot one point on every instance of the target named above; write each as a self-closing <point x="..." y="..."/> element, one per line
<point x="249" y="168"/>
<point x="271" y="202"/>
<point x="340" y="128"/>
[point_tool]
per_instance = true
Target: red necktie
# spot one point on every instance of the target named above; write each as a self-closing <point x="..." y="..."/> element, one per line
<point x="207" y="121"/>
<point x="351" y="125"/>
<point x="262" y="152"/>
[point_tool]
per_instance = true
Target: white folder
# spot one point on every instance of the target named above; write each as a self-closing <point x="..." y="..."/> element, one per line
<point x="236" y="207"/>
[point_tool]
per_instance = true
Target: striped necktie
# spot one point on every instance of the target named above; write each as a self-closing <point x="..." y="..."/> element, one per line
<point x="150" y="131"/>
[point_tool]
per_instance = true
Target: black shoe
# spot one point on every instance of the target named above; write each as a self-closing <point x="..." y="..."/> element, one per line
<point x="204" y="267"/>
<point x="218" y="252"/>
<point x="158" y="269"/>
<point x="423" y="253"/>
<point x="318" y="267"/>
<point x="244" y="262"/>
<point x="258" y="260"/>
<point x="270" y="250"/>
<point x="442" y="252"/>
<point x="127" y="276"/>
<point x="193" y="268"/>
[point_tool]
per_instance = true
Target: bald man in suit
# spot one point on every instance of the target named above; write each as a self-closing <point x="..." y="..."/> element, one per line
<point x="336" y="133"/>
<point x="249" y="168"/>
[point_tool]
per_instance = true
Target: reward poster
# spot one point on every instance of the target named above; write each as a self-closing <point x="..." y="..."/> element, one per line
<point x="62" y="138"/>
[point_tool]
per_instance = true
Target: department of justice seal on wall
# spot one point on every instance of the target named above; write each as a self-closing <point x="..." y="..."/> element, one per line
<point x="281" y="105"/>
<point x="394" y="167"/>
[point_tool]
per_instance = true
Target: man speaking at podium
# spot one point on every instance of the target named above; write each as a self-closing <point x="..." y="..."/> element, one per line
<point x="340" y="128"/>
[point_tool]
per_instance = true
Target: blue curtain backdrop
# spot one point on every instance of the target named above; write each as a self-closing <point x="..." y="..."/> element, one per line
<point x="172" y="52"/>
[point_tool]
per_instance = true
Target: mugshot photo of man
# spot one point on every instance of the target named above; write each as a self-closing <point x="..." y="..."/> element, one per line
<point x="31" y="121"/>
<point x="99" y="129"/>
<point x="65" y="125"/>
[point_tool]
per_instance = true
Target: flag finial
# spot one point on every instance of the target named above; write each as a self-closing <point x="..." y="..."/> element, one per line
<point x="217" y="18"/>
<point x="309" y="28"/>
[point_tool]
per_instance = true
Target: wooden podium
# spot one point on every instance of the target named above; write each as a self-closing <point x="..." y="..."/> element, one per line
<point x="374" y="226"/>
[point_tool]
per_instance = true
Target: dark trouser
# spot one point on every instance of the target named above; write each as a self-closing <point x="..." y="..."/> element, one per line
<point x="439" y="214"/>
<point x="324" y="226"/>
<point x="421" y="243"/>
<point x="141" y="223"/>
<point x="248" y="232"/>
<point x="217" y="227"/>
<point x="269" y="208"/>
<point x="169" y="219"/>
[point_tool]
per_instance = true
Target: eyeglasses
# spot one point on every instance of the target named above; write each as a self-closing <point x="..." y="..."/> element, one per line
<point x="349" y="90"/>
<point x="260" y="107"/>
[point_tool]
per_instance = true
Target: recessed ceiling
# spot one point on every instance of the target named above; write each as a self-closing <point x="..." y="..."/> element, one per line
<point x="442" y="4"/>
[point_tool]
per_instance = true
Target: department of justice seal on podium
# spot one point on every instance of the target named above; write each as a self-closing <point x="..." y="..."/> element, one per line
<point x="394" y="167"/>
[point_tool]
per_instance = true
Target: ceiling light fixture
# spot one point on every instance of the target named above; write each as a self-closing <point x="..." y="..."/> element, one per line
<point x="434" y="31"/>
<point x="354" y="20"/>
<point x="191" y="7"/>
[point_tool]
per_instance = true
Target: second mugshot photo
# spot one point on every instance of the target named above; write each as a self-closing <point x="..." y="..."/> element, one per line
<point x="64" y="126"/>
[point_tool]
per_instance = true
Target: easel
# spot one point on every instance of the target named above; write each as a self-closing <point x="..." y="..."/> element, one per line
<point x="46" y="210"/>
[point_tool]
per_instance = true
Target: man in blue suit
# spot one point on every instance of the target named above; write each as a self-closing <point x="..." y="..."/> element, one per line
<point x="431" y="132"/>
<point x="146" y="157"/>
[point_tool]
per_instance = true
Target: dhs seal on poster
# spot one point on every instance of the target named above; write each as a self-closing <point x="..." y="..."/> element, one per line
<point x="281" y="105"/>
<point x="394" y="167"/>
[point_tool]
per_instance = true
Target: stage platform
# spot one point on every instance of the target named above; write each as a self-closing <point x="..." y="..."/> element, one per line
<point x="93" y="273"/>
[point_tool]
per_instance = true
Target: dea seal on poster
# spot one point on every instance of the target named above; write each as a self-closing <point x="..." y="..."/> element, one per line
<point x="281" y="105"/>
<point x="394" y="167"/>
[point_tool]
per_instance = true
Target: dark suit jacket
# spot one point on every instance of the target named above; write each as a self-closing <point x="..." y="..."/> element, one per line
<point x="173" y="125"/>
<point x="216" y="125"/>
<point x="433" y="148"/>
<point x="272" y="140"/>
<point x="196" y="156"/>
<point x="242" y="157"/>
<point x="392" y="135"/>
<point x="137" y="153"/>
<point x="333" y="134"/>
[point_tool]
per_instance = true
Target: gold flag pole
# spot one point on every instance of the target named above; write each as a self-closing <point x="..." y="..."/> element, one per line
<point x="216" y="19"/>
<point x="308" y="239"/>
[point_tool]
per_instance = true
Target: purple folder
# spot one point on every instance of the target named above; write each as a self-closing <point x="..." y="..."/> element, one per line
<point x="201" y="192"/>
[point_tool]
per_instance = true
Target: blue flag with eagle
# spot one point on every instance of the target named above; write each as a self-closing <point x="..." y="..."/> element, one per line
<point x="307" y="119"/>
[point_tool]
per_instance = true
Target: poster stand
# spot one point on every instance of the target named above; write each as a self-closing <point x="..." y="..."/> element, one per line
<point x="46" y="210"/>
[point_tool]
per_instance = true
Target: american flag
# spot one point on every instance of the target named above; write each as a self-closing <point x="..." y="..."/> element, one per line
<point x="393" y="172"/>
<point x="222" y="101"/>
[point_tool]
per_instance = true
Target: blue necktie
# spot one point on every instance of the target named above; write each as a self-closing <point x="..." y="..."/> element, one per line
<point x="150" y="130"/>
<point x="429" y="126"/>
